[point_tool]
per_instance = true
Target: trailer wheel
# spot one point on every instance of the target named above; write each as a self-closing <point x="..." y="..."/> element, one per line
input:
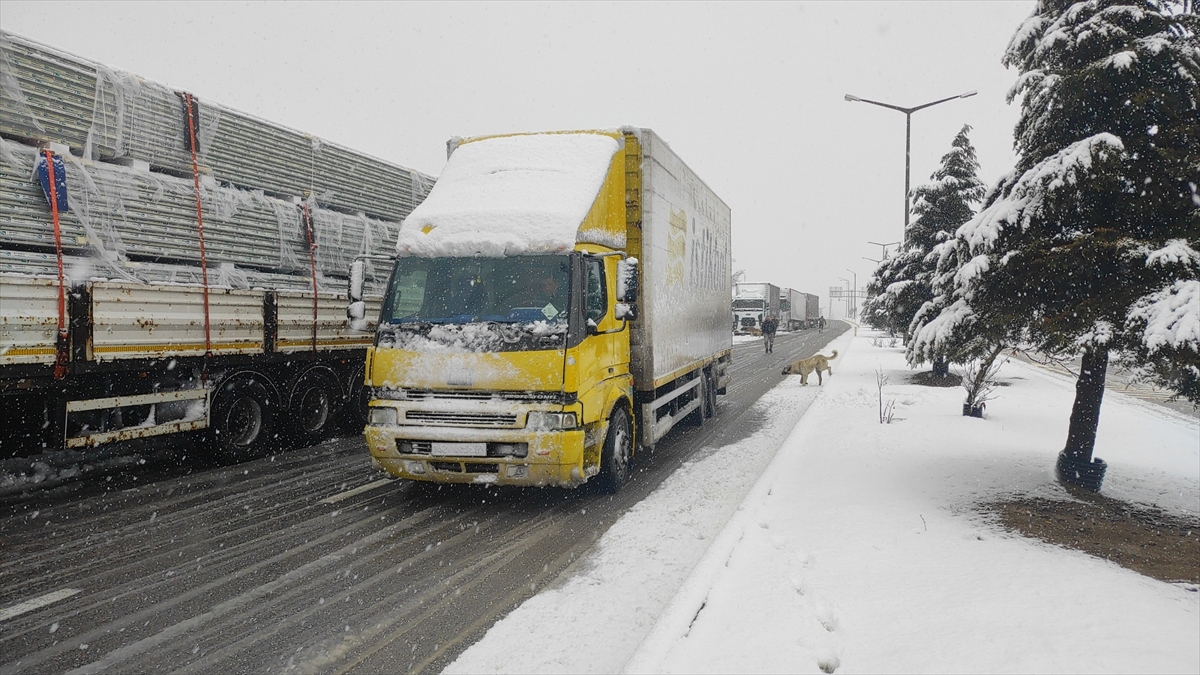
<point x="243" y="418"/>
<point x="358" y="395"/>
<point x="314" y="406"/>
<point x="617" y="455"/>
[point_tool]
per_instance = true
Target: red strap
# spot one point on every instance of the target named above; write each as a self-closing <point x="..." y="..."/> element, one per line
<point x="60" y="359"/>
<point x="187" y="99"/>
<point x="312" y="261"/>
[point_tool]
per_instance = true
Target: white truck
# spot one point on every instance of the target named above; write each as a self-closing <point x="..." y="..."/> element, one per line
<point x="559" y="300"/>
<point x="170" y="267"/>
<point x="792" y="305"/>
<point x="798" y="310"/>
<point x="752" y="304"/>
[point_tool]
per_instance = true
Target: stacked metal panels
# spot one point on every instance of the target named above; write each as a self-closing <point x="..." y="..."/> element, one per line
<point x="128" y="220"/>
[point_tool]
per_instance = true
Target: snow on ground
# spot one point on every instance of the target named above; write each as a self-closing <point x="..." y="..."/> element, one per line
<point x="859" y="548"/>
<point x="592" y="621"/>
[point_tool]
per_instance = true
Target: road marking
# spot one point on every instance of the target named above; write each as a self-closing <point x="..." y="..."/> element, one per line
<point x="356" y="491"/>
<point x="37" y="603"/>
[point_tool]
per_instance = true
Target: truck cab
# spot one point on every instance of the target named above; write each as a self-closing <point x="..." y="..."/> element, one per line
<point x="500" y="369"/>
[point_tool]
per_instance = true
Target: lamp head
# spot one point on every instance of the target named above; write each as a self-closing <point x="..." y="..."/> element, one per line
<point x="968" y="94"/>
<point x="852" y="97"/>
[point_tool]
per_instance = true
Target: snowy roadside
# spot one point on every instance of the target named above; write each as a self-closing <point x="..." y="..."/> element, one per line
<point x="593" y="620"/>
<point x="860" y="548"/>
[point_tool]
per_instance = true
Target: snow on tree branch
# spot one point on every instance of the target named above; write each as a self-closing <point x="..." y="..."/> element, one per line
<point x="1024" y="199"/>
<point x="1176" y="252"/>
<point x="1171" y="316"/>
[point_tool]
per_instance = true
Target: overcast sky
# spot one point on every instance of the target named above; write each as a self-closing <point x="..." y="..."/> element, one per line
<point x="750" y="95"/>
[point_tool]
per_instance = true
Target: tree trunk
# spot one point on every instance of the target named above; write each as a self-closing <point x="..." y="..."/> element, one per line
<point x="1085" y="413"/>
<point x="940" y="367"/>
<point x="981" y="376"/>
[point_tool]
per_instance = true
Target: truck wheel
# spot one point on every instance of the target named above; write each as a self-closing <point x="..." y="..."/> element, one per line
<point x="314" y="406"/>
<point x="243" y="419"/>
<point x="704" y="395"/>
<point x="710" y="396"/>
<point x="617" y="454"/>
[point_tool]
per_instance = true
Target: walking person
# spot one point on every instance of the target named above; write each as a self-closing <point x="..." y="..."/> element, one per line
<point x="769" y="326"/>
<point x="821" y="325"/>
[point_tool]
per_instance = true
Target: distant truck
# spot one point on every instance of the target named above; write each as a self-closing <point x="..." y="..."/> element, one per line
<point x="559" y="300"/>
<point x="792" y="306"/>
<point x="798" y="310"/>
<point x="752" y="303"/>
<point x="812" y="312"/>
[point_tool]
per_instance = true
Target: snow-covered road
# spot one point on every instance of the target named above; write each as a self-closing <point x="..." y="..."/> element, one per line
<point x="306" y="561"/>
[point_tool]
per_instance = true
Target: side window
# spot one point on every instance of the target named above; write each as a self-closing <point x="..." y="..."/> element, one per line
<point x="597" y="297"/>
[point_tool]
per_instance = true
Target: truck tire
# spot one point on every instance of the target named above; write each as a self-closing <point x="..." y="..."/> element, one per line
<point x="617" y="455"/>
<point x="710" y="395"/>
<point x="314" y="405"/>
<point x="243" y="418"/>
<point x="706" y="396"/>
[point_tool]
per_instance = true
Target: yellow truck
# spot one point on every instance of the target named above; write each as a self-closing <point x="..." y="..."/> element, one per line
<point x="558" y="301"/>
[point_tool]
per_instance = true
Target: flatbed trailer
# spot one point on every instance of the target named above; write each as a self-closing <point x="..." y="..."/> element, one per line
<point x="174" y="270"/>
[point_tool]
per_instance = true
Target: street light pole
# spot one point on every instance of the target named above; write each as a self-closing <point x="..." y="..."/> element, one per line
<point x="854" y="305"/>
<point x="907" y="138"/>
<point x="846" y="298"/>
<point x="883" y="246"/>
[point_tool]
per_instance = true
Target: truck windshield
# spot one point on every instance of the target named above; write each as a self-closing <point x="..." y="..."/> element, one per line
<point x="494" y="304"/>
<point x="747" y="304"/>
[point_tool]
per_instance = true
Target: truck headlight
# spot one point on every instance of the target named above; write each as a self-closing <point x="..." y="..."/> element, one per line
<point x="383" y="416"/>
<point x="550" y="420"/>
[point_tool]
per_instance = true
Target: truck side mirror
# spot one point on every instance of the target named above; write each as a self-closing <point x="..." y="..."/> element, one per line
<point x="356" y="311"/>
<point x="627" y="289"/>
<point x="357" y="273"/>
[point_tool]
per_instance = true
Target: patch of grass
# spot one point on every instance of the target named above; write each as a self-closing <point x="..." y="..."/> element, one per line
<point x="1144" y="539"/>
<point x="928" y="379"/>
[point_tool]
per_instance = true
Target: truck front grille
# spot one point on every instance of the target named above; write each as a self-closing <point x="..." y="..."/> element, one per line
<point x="473" y="395"/>
<point x="462" y="418"/>
<point x="467" y="467"/>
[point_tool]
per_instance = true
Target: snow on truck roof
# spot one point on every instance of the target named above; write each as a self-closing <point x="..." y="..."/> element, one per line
<point x="509" y="195"/>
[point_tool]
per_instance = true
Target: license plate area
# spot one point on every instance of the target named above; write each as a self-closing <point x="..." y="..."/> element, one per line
<point x="459" y="449"/>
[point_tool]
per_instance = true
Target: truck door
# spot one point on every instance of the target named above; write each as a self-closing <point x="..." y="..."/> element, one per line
<point x="604" y="353"/>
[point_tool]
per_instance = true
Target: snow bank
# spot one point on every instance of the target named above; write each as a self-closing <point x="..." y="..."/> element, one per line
<point x="860" y="548"/>
<point x="510" y="195"/>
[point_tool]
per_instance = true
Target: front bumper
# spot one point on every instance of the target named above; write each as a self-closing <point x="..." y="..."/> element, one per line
<point x="553" y="458"/>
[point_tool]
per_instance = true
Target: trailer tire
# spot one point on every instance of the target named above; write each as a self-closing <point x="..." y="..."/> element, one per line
<point x="358" y="395"/>
<point x="617" y="455"/>
<point x="314" y="405"/>
<point x="243" y="418"/>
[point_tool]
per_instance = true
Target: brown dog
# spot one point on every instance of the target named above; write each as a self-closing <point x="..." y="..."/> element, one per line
<point x="805" y="367"/>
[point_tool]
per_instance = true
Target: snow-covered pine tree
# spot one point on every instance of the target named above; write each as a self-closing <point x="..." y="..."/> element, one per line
<point x="1090" y="243"/>
<point x="904" y="282"/>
